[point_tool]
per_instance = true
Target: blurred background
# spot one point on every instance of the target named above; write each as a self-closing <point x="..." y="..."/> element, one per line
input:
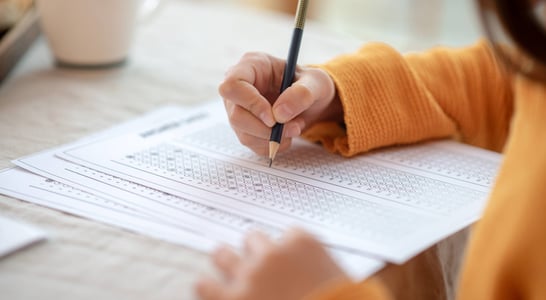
<point x="405" y="24"/>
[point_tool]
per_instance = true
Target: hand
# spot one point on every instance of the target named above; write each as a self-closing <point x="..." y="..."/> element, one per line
<point x="251" y="95"/>
<point x="288" y="270"/>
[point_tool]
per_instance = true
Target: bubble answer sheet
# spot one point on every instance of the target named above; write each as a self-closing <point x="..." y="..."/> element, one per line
<point x="391" y="204"/>
<point x="96" y="195"/>
<point x="19" y="183"/>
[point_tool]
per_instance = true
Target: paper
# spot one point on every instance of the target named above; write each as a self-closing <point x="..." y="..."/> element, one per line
<point x="15" y="235"/>
<point x="173" y="210"/>
<point x="390" y="204"/>
<point x="24" y="185"/>
<point x="137" y="207"/>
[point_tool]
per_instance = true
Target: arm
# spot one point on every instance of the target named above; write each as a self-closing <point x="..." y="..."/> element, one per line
<point x="372" y="288"/>
<point x="391" y="99"/>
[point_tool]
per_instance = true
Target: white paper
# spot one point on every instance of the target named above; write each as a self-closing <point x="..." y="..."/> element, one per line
<point x="15" y="235"/>
<point x="391" y="203"/>
<point x="21" y="184"/>
<point x="24" y="185"/>
<point x="153" y="205"/>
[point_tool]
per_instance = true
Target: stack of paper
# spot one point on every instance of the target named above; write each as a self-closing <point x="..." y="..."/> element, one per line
<point x="181" y="175"/>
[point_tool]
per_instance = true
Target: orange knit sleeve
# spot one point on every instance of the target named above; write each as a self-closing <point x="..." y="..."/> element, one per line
<point x="372" y="288"/>
<point x="392" y="99"/>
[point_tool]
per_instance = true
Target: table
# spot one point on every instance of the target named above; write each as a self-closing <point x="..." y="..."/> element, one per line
<point x="179" y="57"/>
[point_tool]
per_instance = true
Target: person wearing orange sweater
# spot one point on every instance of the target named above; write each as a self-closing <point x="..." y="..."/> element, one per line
<point x="377" y="97"/>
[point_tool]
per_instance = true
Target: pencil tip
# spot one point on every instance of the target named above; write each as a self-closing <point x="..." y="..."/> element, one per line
<point x="273" y="147"/>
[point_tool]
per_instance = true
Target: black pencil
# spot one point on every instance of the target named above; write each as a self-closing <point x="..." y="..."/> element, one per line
<point x="288" y="75"/>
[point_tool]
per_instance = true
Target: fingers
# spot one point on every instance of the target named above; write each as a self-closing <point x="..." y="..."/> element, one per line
<point x="286" y="269"/>
<point x="242" y="121"/>
<point x="253" y="84"/>
<point x="300" y="238"/>
<point x="257" y="243"/>
<point x="296" y="233"/>
<point x="246" y="96"/>
<point x="249" y="83"/>
<point x="292" y="102"/>
<point x="261" y="145"/>
<point x="314" y="88"/>
<point x="232" y="267"/>
<point x="227" y="261"/>
<point x="210" y="289"/>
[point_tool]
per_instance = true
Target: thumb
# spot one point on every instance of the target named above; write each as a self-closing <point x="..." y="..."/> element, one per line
<point x="302" y="95"/>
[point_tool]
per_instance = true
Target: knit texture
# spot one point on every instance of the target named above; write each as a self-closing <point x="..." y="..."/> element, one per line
<point x="389" y="99"/>
<point x="459" y="93"/>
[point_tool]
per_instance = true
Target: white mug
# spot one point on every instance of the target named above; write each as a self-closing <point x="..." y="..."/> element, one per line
<point x="90" y="33"/>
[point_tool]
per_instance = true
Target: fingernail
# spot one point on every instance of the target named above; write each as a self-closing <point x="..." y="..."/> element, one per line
<point x="267" y="119"/>
<point x="283" y="113"/>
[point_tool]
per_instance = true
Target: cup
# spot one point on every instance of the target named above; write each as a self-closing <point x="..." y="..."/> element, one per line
<point x="91" y="33"/>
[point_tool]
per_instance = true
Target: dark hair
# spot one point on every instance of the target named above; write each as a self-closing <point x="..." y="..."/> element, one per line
<point x="515" y="21"/>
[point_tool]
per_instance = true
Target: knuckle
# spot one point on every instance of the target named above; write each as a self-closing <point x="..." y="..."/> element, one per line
<point x="234" y="122"/>
<point x="257" y="60"/>
<point x="304" y="92"/>
<point x="236" y="115"/>
<point x="316" y="72"/>
<point x="304" y="95"/>
<point x="226" y="88"/>
<point x="324" y="81"/>
<point x="299" y="236"/>
<point x="255" y="105"/>
<point x="245" y="139"/>
<point x="269" y="257"/>
<point x="254" y="55"/>
<point x="245" y="142"/>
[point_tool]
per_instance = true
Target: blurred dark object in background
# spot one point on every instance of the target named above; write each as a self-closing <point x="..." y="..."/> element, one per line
<point x="18" y="29"/>
<point x="11" y="11"/>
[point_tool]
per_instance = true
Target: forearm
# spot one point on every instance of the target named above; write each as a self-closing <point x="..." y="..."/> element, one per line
<point x="391" y="99"/>
<point x="472" y="89"/>
<point x="372" y="288"/>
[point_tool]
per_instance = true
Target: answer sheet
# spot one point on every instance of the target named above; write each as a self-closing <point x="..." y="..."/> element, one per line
<point x="390" y="204"/>
<point x="138" y="208"/>
<point x="18" y="183"/>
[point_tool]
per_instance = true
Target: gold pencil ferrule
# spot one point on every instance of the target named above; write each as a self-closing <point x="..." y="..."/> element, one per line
<point x="301" y="11"/>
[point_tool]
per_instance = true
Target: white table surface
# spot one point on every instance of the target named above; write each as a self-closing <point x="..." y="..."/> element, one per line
<point x="179" y="57"/>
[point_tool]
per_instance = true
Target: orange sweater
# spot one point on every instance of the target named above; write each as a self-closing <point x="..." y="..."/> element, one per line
<point x="459" y="93"/>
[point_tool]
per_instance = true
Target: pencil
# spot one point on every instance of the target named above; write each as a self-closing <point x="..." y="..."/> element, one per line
<point x="288" y="75"/>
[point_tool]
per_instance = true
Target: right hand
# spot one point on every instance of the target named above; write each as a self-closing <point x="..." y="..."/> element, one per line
<point x="251" y="96"/>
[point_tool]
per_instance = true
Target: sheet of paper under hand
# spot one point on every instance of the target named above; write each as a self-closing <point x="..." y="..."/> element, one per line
<point x="391" y="203"/>
<point x="30" y="187"/>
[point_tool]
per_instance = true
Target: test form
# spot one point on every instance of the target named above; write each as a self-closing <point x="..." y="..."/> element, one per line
<point x="391" y="203"/>
<point x="33" y="188"/>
